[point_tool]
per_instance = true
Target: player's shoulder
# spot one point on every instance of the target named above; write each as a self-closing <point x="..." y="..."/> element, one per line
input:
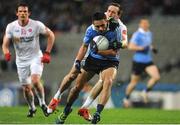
<point x="12" y="24"/>
<point x="37" y="22"/>
<point x="138" y="32"/>
<point x="122" y="24"/>
<point x="15" y="22"/>
<point x="90" y="29"/>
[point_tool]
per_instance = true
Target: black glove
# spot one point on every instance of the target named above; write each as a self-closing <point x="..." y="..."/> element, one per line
<point x="113" y="24"/>
<point x="77" y="64"/>
<point x="115" y="45"/>
<point x="155" y="51"/>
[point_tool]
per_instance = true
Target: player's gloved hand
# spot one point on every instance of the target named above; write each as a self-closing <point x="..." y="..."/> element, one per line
<point x="7" y="56"/>
<point x="155" y="51"/>
<point x="77" y="64"/>
<point x="46" y="58"/>
<point x="113" y="24"/>
<point x="115" y="45"/>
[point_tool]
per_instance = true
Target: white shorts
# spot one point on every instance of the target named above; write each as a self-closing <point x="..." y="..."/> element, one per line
<point x="25" y="72"/>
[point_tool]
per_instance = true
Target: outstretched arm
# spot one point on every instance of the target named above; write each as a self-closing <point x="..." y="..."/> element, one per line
<point x="132" y="46"/>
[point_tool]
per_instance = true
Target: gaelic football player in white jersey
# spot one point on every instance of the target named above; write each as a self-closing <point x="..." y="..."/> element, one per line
<point x="24" y="33"/>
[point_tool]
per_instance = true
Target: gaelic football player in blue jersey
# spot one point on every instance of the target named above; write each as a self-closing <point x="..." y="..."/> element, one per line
<point x="105" y="61"/>
<point x="141" y="43"/>
<point x="114" y="11"/>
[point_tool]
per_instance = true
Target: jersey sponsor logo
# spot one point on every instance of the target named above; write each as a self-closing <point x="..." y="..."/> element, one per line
<point x="124" y="32"/>
<point x="23" y="39"/>
<point x="26" y="39"/>
<point x="17" y="31"/>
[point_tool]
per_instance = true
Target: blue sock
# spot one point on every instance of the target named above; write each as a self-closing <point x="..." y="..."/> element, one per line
<point x="100" y="107"/>
<point x="148" y="89"/>
<point x="67" y="109"/>
<point x="127" y="96"/>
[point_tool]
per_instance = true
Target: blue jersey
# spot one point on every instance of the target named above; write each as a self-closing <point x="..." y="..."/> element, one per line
<point x="110" y="35"/>
<point x="143" y="39"/>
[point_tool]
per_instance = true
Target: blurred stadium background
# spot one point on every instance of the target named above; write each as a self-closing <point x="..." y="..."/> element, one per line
<point x="68" y="19"/>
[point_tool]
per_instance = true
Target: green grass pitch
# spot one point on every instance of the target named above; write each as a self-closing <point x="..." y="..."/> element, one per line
<point x="17" y="115"/>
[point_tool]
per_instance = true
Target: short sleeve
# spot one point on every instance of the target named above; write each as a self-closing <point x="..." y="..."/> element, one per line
<point x="134" y="38"/>
<point x="88" y="36"/>
<point x="124" y="33"/>
<point x="8" y="32"/>
<point x="42" y="27"/>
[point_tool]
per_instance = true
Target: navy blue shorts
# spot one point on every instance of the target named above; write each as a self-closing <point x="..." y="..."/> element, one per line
<point x="97" y="65"/>
<point x="139" y="68"/>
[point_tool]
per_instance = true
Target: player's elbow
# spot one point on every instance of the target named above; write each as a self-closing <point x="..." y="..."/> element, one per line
<point x="50" y="34"/>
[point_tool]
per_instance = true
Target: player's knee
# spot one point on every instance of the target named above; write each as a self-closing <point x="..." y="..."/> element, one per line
<point x="109" y="81"/>
<point x="156" y="78"/>
<point x="75" y="90"/>
<point x="133" y="82"/>
<point x="27" y="88"/>
<point x="72" y="76"/>
<point x="35" y="80"/>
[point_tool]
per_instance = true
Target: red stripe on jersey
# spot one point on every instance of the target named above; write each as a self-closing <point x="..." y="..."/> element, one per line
<point x="124" y="33"/>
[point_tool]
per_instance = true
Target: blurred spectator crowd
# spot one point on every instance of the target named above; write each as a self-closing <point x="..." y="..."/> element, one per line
<point x="62" y="15"/>
<point x="74" y="15"/>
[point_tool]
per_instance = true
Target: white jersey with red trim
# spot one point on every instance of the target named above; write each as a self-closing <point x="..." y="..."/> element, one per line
<point x="25" y="40"/>
<point x="123" y="30"/>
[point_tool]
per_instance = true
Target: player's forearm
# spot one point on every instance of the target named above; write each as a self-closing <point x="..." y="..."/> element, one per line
<point x="5" y="48"/>
<point x="135" y="47"/>
<point x="50" y="41"/>
<point x="81" y="53"/>
<point x="5" y="45"/>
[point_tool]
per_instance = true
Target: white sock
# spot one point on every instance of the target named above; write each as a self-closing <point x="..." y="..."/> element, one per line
<point x="41" y="98"/>
<point x="87" y="103"/>
<point x="33" y="107"/>
<point x="30" y="102"/>
<point x="58" y="95"/>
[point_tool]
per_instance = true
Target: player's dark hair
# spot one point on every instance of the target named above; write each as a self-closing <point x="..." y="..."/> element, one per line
<point x="23" y="4"/>
<point x="98" y="16"/>
<point x="117" y="5"/>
